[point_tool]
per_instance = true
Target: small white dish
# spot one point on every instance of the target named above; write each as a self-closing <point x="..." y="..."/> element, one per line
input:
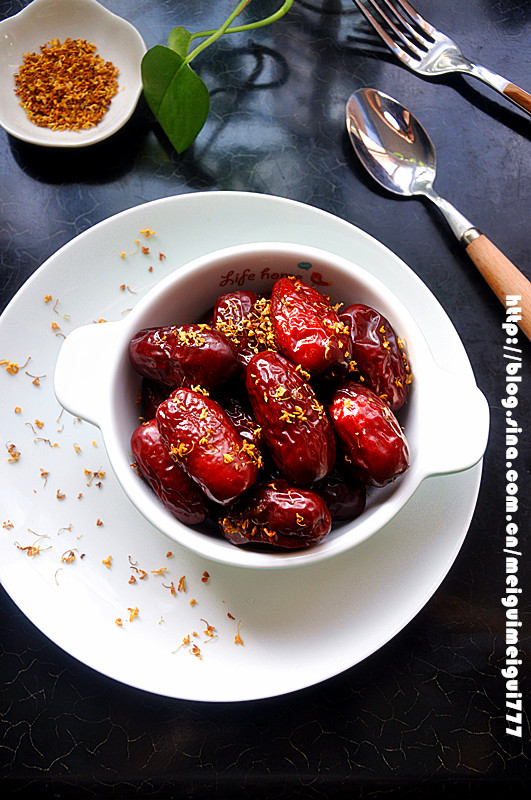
<point x="116" y="40"/>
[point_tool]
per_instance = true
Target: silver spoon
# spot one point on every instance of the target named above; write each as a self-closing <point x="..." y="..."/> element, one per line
<point x="396" y="150"/>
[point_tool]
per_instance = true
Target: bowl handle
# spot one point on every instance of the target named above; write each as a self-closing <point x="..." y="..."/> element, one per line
<point x="83" y="374"/>
<point x="457" y="435"/>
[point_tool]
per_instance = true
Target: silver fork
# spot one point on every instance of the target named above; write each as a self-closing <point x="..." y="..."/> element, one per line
<point x="427" y="51"/>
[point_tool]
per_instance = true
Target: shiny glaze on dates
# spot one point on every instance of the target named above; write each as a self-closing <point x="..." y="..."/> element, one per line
<point x="264" y="450"/>
<point x="200" y="436"/>
<point x="377" y="353"/>
<point x="373" y="441"/>
<point x="278" y="514"/>
<point x="175" y="489"/>
<point x="345" y="498"/>
<point x="178" y="355"/>
<point x="152" y="394"/>
<point x="231" y="312"/>
<point x="294" y="425"/>
<point x="243" y="421"/>
<point x="308" y="330"/>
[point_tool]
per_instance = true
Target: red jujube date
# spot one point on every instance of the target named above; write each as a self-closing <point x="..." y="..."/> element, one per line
<point x="174" y="488"/>
<point x="294" y="424"/>
<point x="203" y="440"/>
<point x="378" y="354"/>
<point x="344" y="497"/>
<point x="235" y="316"/>
<point x="178" y="355"/>
<point x="373" y="441"/>
<point x="308" y="329"/>
<point x="279" y="514"/>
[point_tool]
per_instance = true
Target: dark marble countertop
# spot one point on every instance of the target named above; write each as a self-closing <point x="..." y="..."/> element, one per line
<point x="424" y="716"/>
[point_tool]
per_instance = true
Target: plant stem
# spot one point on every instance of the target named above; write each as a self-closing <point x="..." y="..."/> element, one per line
<point x="214" y="35"/>
<point x="224" y="28"/>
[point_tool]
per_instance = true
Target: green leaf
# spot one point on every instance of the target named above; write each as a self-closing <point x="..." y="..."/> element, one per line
<point x="176" y="95"/>
<point x="179" y="40"/>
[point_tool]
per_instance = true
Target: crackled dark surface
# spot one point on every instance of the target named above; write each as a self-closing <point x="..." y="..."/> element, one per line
<point x="425" y="716"/>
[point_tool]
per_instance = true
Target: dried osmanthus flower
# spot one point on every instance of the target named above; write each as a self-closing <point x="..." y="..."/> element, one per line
<point x="66" y="86"/>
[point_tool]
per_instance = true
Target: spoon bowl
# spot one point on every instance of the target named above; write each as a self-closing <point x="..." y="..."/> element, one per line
<point x="391" y="143"/>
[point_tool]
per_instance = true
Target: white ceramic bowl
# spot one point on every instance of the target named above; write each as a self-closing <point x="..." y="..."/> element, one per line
<point x="446" y="420"/>
<point x="116" y="40"/>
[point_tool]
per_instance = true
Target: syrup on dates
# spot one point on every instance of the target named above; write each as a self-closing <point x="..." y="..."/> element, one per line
<point x="278" y="514"/>
<point x="294" y="424"/>
<point x="152" y="395"/>
<point x="262" y="450"/>
<point x="379" y="357"/>
<point x="178" y="355"/>
<point x="345" y="498"/>
<point x="174" y="488"/>
<point x="201" y="437"/>
<point x="308" y="330"/>
<point x="233" y="314"/>
<point x="373" y="441"/>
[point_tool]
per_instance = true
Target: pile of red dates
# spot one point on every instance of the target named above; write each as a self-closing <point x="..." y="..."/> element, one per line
<point x="273" y="416"/>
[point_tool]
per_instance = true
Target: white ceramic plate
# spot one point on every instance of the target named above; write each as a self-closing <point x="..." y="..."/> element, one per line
<point x="325" y="617"/>
<point x="116" y="40"/>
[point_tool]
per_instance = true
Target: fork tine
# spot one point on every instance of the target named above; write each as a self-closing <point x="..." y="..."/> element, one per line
<point x="415" y="16"/>
<point x="416" y="37"/>
<point x="393" y="45"/>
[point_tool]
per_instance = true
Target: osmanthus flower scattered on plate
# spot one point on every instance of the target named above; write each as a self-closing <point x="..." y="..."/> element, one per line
<point x="274" y="417"/>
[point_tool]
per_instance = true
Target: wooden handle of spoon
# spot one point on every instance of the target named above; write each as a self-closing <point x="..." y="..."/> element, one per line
<point x="503" y="278"/>
<point x="518" y="96"/>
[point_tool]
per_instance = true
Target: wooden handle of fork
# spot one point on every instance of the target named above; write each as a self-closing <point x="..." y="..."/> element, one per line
<point x="518" y="96"/>
<point x="503" y="278"/>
